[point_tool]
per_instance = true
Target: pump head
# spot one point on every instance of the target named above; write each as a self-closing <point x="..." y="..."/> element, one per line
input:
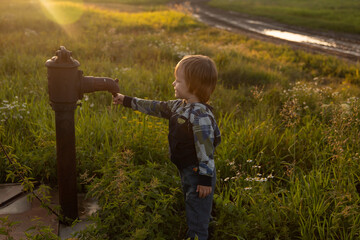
<point x="67" y="84"/>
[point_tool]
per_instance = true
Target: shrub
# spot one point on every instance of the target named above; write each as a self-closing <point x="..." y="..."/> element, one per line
<point x="138" y="201"/>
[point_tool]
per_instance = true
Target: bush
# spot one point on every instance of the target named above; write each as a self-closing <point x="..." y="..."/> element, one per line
<point x="138" y="201"/>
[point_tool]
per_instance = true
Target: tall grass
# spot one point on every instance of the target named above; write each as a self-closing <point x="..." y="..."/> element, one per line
<point x="289" y="159"/>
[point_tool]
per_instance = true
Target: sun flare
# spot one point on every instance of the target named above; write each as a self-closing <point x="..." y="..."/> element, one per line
<point x="62" y="12"/>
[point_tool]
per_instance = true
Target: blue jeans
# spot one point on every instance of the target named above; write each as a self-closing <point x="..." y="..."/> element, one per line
<point x="198" y="210"/>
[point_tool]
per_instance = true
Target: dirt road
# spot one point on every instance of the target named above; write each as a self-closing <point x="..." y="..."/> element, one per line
<point x="339" y="44"/>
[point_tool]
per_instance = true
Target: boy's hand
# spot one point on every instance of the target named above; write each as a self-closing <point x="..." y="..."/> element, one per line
<point x="203" y="191"/>
<point x="118" y="99"/>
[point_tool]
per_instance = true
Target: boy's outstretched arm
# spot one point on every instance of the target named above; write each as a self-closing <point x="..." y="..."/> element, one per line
<point x="151" y="107"/>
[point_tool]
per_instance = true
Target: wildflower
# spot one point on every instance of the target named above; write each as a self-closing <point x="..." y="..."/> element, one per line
<point x="345" y="107"/>
<point x="249" y="160"/>
<point x="263" y="179"/>
<point x="256" y="179"/>
<point x="270" y="176"/>
<point x="12" y="109"/>
<point x="30" y="32"/>
<point x="249" y="179"/>
<point x="325" y="105"/>
<point x="248" y="188"/>
<point x="125" y="69"/>
<point x="334" y="94"/>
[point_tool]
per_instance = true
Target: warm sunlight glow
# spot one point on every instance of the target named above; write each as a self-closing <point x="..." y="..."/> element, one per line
<point x="62" y="12"/>
<point x="297" y="37"/>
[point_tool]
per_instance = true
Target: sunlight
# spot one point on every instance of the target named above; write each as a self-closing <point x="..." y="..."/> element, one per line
<point x="294" y="37"/>
<point x="62" y="12"/>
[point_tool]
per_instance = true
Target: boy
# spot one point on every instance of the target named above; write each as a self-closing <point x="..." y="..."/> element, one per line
<point x="193" y="135"/>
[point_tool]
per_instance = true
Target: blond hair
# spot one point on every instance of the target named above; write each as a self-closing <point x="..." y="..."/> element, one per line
<point x="200" y="75"/>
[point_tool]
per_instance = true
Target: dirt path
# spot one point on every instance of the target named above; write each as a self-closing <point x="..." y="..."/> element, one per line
<point x="338" y="44"/>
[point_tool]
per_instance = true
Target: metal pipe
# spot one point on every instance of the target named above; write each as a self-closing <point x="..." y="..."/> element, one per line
<point x="66" y="159"/>
<point x="93" y="84"/>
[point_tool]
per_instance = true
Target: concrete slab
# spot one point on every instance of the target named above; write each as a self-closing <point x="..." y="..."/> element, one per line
<point x="86" y="208"/>
<point x="19" y="205"/>
<point x="13" y="199"/>
<point x="26" y="220"/>
<point x="66" y="232"/>
<point x="8" y="191"/>
<point x="24" y="212"/>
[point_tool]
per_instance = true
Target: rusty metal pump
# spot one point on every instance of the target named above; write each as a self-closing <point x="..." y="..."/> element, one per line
<point x="66" y="86"/>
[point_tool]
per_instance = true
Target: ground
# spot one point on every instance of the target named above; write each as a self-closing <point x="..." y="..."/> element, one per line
<point x="340" y="44"/>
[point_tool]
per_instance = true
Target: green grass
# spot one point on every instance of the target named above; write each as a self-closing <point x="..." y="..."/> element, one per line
<point x="338" y="16"/>
<point x="132" y="2"/>
<point x="288" y="162"/>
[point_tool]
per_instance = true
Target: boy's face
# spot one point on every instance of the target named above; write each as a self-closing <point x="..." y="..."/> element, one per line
<point x="180" y="86"/>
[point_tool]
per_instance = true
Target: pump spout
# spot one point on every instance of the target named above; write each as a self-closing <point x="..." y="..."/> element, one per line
<point x="92" y="84"/>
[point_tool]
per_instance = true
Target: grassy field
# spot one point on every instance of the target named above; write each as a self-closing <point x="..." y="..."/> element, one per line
<point x="333" y="15"/>
<point x="289" y="159"/>
<point x="131" y="2"/>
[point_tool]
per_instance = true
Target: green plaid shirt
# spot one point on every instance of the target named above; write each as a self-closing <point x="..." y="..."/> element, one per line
<point x="206" y="132"/>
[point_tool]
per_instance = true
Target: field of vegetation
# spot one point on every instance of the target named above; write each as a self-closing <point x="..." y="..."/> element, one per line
<point x="288" y="164"/>
<point x="339" y="16"/>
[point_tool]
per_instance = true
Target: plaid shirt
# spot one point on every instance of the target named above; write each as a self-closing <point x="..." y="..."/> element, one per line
<point x="205" y="129"/>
